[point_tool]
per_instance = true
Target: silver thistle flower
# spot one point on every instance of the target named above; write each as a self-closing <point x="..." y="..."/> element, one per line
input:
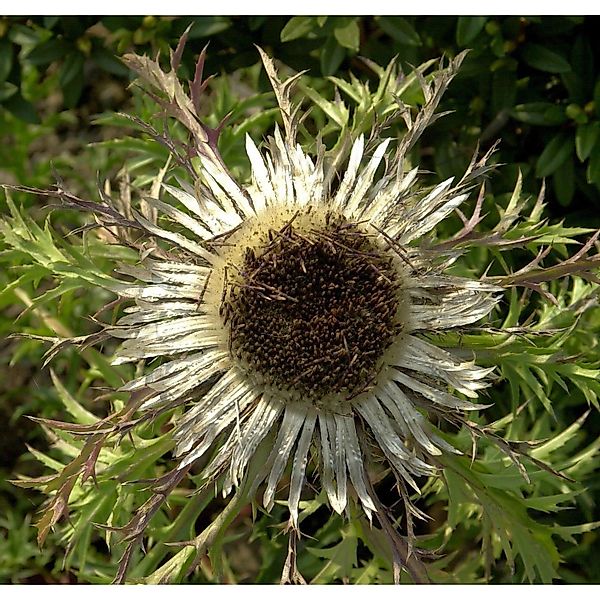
<point x="297" y="311"/>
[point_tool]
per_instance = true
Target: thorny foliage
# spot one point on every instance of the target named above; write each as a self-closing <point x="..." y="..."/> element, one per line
<point x="119" y="465"/>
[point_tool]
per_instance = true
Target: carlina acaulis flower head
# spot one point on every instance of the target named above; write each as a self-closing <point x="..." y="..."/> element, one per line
<point x="307" y="306"/>
<point x="295" y="315"/>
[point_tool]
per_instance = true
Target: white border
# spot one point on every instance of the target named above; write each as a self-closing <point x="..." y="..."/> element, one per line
<point x="305" y="7"/>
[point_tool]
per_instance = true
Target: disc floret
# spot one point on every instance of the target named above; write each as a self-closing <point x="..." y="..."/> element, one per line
<point x="313" y="309"/>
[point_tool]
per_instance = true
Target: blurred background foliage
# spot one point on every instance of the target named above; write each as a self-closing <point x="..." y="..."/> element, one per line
<point x="531" y="82"/>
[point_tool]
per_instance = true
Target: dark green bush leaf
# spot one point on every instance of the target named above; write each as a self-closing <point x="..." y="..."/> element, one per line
<point x="6" y="55"/>
<point x="50" y="22"/>
<point x="48" y="52"/>
<point x="332" y="56"/>
<point x="550" y="26"/>
<point x="467" y="29"/>
<point x="574" y="85"/>
<point x="71" y="78"/>
<point x="7" y="89"/>
<point x="597" y="96"/>
<point x="504" y="90"/>
<point x="348" y="36"/>
<point x="72" y="92"/>
<point x="206" y="26"/>
<point x="554" y="155"/>
<point x="582" y="59"/>
<point x="296" y="27"/>
<point x="74" y="27"/>
<point x="121" y="22"/>
<point x="540" y="57"/>
<point x="400" y="30"/>
<point x="109" y="62"/>
<point x="497" y="46"/>
<point x="593" y="170"/>
<point x="21" y="108"/>
<point x="71" y="68"/>
<point x="22" y="35"/>
<point x="585" y="138"/>
<point x="255" y="23"/>
<point x="539" y="113"/>
<point x="564" y="182"/>
<point x="555" y="115"/>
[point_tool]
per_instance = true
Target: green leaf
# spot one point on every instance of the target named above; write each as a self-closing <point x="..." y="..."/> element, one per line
<point x="504" y="90"/>
<point x="585" y="138"/>
<point x="71" y="68"/>
<point x="497" y="46"/>
<point x="458" y="494"/>
<point x="109" y="62"/>
<point x="400" y="30"/>
<point x="352" y="91"/>
<point x="7" y="89"/>
<point x="348" y="36"/>
<point x="541" y="58"/>
<point x="21" y="108"/>
<point x="582" y="59"/>
<point x="506" y="512"/>
<point x="206" y="26"/>
<point x="256" y="22"/>
<point x="564" y="182"/>
<point x="552" y="503"/>
<point x="24" y="36"/>
<point x="467" y="29"/>
<point x="574" y="87"/>
<point x="555" y="115"/>
<point x="567" y="532"/>
<point x="296" y="27"/>
<point x="33" y="273"/>
<point x="340" y="559"/>
<point x="72" y="92"/>
<point x="50" y="22"/>
<point x="554" y="155"/>
<point x="80" y="414"/>
<point x="332" y="56"/>
<point x="593" y="170"/>
<point x="46" y="460"/>
<point x="337" y="110"/>
<point x="48" y="52"/>
<point x="6" y="57"/>
<point x="537" y="553"/>
<point x="543" y="451"/>
<point x="539" y="113"/>
<point x="96" y="510"/>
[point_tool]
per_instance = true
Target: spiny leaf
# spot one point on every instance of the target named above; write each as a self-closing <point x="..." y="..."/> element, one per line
<point x="340" y="559"/>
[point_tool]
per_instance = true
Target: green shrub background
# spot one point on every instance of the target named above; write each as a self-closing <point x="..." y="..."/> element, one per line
<point x="533" y="83"/>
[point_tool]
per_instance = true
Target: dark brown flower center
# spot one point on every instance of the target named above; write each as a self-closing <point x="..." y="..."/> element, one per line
<point x="314" y="311"/>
